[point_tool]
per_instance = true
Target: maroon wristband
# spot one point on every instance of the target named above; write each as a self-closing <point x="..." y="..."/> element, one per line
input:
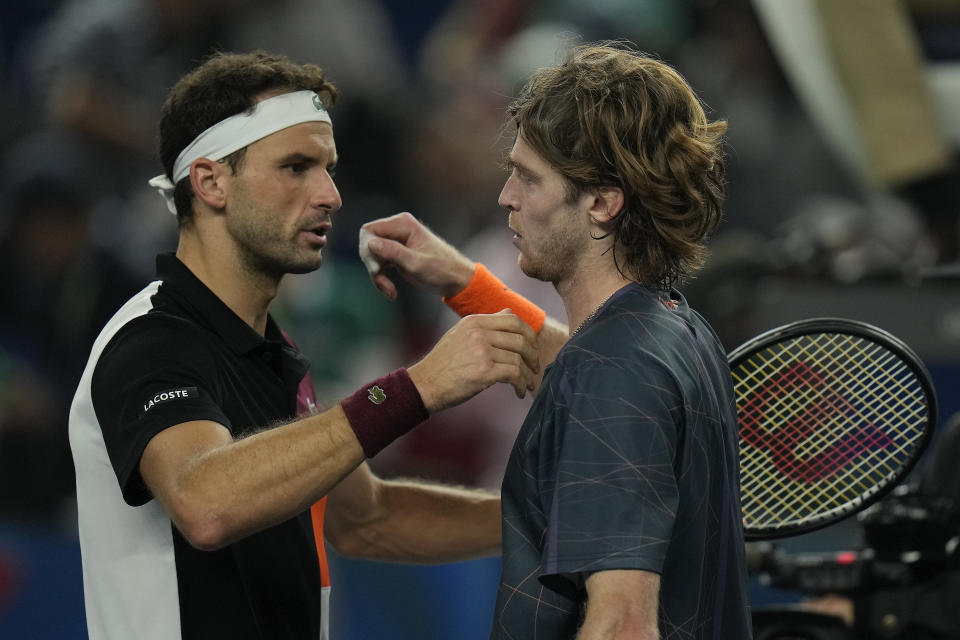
<point x="383" y="410"/>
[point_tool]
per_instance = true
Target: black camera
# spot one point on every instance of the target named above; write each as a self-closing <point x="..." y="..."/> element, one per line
<point x="897" y="580"/>
<point x="908" y="537"/>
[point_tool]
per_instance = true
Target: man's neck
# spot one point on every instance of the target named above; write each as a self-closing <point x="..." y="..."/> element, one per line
<point x="586" y="291"/>
<point x="247" y="294"/>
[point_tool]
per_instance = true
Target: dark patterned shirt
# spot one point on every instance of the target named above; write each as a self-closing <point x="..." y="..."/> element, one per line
<point x="628" y="459"/>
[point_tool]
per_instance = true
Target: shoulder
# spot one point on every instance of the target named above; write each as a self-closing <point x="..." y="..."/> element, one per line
<point x="586" y="375"/>
<point x="153" y="341"/>
<point x="628" y="332"/>
<point x="159" y="328"/>
<point x="644" y="338"/>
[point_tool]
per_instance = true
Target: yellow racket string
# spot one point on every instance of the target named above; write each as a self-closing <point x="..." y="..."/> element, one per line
<point x="852" y="382"/>
<point x="820" y="506"/>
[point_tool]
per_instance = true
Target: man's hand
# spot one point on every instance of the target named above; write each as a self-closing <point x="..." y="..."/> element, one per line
<point x="419" y="255"/>
<point x="477" y="352"/>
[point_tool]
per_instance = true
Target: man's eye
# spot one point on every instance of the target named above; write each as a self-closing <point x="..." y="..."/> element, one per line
<point x="332" y="172"/>
<point x="296" y="167"/>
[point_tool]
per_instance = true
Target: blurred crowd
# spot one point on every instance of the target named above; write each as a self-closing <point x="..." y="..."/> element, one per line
<point x="419" y="127"/>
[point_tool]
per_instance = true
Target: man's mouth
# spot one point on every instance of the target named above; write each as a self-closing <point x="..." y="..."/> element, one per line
<point x="319" y="232"/>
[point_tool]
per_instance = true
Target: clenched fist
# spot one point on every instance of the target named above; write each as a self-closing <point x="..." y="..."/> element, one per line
<point x="477" y="352"/>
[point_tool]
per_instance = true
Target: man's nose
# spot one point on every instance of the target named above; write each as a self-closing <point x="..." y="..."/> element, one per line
<point x="507" y="197"/>
<point x="326" y="195"/>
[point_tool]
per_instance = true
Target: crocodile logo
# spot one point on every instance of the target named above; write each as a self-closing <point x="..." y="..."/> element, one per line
<point x="376" y="394"/>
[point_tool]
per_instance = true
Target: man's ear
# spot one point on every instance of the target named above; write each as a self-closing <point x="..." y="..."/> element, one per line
<point x="206" y="178"/>
<point x="607" y="204"/>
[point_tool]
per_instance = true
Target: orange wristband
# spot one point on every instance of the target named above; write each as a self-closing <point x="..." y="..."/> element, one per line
<point x="486" y="294"/>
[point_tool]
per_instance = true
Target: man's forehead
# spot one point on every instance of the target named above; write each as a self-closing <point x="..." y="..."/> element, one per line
<point x="524" y="154"/>
<point x="308" y="135"/>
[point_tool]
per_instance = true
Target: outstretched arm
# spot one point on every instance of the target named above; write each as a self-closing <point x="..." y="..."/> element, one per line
<point x="411" y="521"/>
<point x="429" y="262"/>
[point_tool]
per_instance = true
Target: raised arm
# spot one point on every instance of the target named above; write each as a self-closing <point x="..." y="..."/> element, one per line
<point x="429" y="262"/>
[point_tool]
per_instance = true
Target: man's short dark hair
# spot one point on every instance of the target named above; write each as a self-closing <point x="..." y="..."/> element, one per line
<point x="609" y="116"/>
<point x="224" y="85"/>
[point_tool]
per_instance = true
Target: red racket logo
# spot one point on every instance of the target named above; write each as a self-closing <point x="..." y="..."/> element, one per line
<point x="821" y="409"/>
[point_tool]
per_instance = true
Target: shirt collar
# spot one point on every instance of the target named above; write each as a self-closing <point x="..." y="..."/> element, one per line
<point x="209" y="310"/>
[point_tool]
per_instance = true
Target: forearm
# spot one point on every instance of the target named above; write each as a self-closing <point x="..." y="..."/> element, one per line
<point x="234" y="488"/>
<point x="600" y="627"/>
<point x="551" y="339"/>
<point x="621" y="605"/>
<point x="486" y="294"/>
<point x="429" y="262"/>
<point x="416" y="522"/>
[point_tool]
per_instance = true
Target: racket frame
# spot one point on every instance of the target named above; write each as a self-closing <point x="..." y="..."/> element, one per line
<point x="866" y="331"/>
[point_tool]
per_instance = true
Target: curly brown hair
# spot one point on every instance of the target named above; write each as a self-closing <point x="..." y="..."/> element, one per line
<point x="610" y="116"/>
<point x="224" y="85"/>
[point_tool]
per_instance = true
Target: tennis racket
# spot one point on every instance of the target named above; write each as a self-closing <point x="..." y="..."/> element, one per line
<point x="833" y="414"/>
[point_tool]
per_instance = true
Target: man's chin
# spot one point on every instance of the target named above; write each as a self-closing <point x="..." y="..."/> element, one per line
<point x="305" y="267"/>
<point x="299" y="264"/>
<point x="532" y="269"/>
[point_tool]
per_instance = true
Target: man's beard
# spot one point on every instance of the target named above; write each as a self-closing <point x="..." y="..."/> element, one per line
<point x="257" y="258"/>
<point x="554" y="262"/>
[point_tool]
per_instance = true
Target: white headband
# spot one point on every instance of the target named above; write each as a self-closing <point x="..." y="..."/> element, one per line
<point x="236" y="132"/>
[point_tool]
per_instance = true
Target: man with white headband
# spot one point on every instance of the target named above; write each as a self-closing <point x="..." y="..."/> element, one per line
<point x="207" y="479"/>
<point x="236" y="132"/>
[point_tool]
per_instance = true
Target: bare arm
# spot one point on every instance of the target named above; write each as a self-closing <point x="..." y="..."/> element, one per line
<point x="621" y="605"/>
<point x="553" y="335"/>
<point x="414" y="522"/>
<point x="218" y="490"/>
<point x="430" y="263"/>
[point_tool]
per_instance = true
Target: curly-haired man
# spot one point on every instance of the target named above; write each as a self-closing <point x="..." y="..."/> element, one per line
<point x="621" y="513"/>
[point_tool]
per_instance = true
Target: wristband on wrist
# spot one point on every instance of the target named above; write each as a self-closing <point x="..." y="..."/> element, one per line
<point x="487" y="294"/>
<point x="383" y="410"/>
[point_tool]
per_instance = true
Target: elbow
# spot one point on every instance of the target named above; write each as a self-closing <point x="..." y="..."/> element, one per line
<point x="346" y="542"/>
<point x="355" y="539"/>
<point x="205" y="536"/>
<point x="202" y="526"/>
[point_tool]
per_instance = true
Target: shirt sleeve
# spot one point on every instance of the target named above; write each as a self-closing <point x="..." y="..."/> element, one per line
<point x="156" y="372"/>
<point x="608" y="483"/>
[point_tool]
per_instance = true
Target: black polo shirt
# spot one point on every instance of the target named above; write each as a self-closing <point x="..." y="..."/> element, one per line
<point x="176" y="353"/>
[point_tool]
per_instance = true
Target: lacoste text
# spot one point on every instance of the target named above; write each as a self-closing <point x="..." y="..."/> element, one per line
<point x="164" y="396"/>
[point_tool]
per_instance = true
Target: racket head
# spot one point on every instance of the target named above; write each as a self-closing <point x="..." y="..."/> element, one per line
<point x="833" y="413"/>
